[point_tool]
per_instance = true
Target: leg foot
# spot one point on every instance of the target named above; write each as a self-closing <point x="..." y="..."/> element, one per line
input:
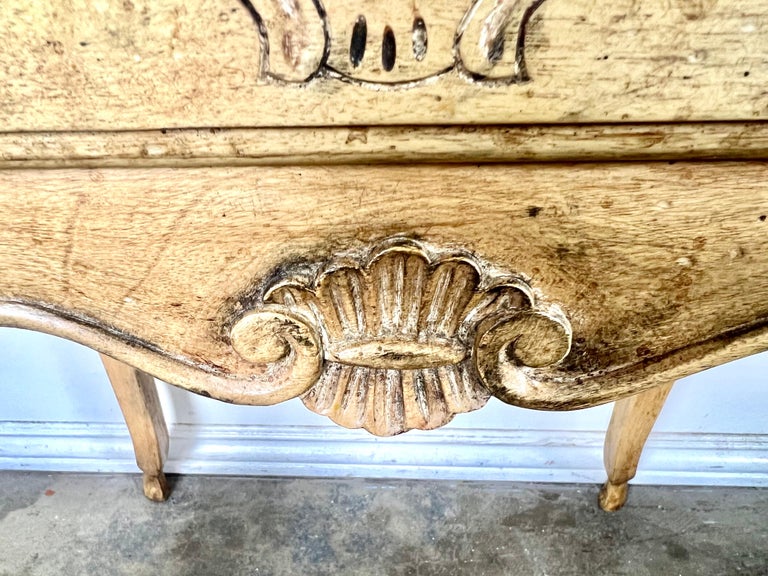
<point x="137" y="395"/>
<point x="156" y="487"/>
<point x="630" y="426"/>
<point x="613" y="496"/>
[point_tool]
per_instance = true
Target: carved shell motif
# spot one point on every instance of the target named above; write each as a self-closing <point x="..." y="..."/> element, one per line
<point x="412" y="336"/>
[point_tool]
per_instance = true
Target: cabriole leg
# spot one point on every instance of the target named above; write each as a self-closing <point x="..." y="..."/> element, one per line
<point x="628" y="430"/>
<point x="137" y="395"/>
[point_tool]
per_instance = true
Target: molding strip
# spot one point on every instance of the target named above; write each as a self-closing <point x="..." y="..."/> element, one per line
<point x="443" y="144"/>
<point x="447" y="454"/>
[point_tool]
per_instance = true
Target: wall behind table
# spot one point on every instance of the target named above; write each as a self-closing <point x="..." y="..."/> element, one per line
<point x="57" y="413"/>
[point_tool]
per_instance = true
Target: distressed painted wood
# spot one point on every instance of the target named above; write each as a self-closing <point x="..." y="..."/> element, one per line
<point x="660" y="269"/>
<point x="136" y="64"/>
<point x="631" y="423"/>
<point x="137" y="395"/>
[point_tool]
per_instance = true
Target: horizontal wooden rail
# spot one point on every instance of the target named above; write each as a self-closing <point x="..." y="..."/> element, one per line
<point x="445" y="144"/>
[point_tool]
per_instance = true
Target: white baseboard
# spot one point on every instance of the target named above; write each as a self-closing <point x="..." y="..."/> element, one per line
<point x="449" y="453"/>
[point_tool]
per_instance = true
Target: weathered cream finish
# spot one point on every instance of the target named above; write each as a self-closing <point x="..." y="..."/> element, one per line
<point x="263" y="199"/>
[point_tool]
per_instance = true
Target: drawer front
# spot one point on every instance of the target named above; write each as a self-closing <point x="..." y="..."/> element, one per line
<point x="648" y="271"/>
<point x="137" y="64"/>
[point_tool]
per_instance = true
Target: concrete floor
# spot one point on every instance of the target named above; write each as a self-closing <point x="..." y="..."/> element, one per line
<point x="64" y="524"/>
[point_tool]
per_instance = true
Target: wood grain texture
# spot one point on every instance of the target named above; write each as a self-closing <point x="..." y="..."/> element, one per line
<point x="137" y="395"/>
<point x="631" y="423"/>
<point x="661" y="269"/>
<point x="137" y="64"/>
<point x="186" y="148"/>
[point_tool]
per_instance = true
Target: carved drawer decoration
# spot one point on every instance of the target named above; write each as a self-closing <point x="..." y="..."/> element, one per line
<point x="402" y="338"/>
<point x="392" y="43"/>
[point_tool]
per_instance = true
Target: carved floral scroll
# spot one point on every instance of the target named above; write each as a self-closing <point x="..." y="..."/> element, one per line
<point x="391" y="43"/>
<point x="403" y="337"/>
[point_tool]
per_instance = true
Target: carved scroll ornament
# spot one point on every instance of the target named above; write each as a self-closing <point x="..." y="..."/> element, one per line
<point x="391" y="43"/>
<point x="402" y="338"/>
